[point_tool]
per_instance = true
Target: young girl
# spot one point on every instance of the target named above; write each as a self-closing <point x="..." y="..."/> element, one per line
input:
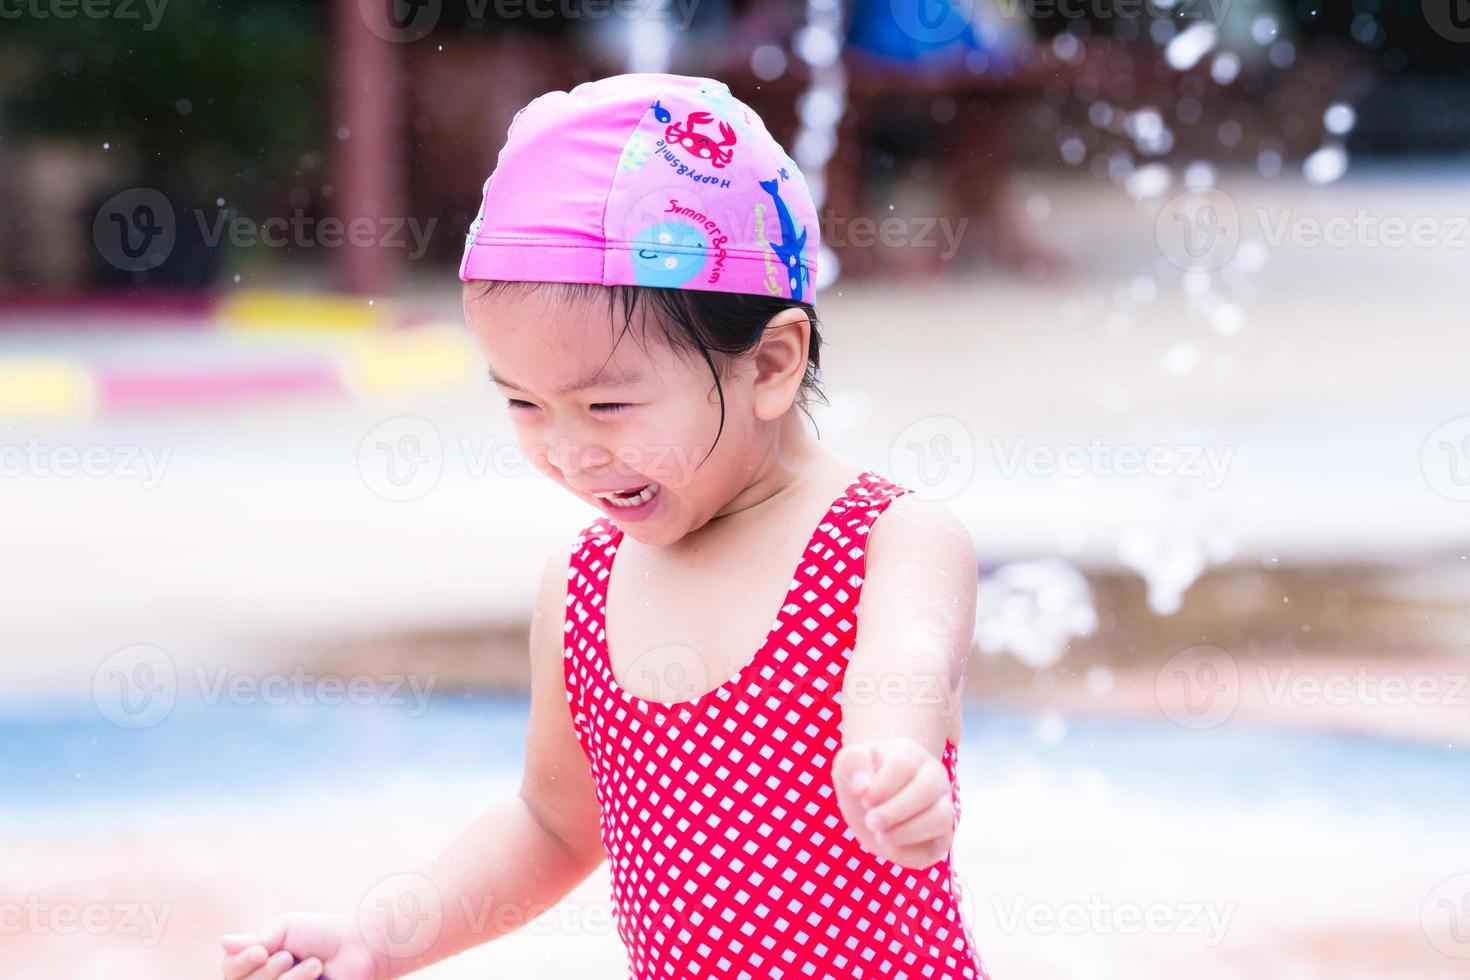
<point x="774" y="787"/>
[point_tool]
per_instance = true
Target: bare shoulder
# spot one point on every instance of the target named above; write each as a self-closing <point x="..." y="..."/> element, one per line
<point x="912" y="529"/>
<point x="551" y="595"/>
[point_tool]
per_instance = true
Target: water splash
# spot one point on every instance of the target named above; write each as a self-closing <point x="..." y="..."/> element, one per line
<point x="820" y="108"/>
<point x="1172" y="549"/>
<point x="1033" y="610"/>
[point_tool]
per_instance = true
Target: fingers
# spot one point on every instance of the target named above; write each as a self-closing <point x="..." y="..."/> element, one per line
<point x="271" y="937"/>
<point x="308" y="969"/>
<point x="280" y="967"/>
<point x="243" y="962"/>
<point x="933" y="822"/>
<point x="898" y="760"/>
<point x="926" y="784"/>
<point x="852" y="767"/>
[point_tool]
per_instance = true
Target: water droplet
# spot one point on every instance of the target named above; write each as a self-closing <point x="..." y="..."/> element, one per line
<point x="1227" y="319"/>
<point x="1185" y="50"/>
<point x="1150" y="180"/>
<point x="1225" y="68"/>
<point x="1339" y="118"/>
<point x="1326" y="165"/>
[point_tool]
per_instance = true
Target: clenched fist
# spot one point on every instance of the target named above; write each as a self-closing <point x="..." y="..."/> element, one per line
<point x="896" y="797"/>
<point x="303" y="947"/>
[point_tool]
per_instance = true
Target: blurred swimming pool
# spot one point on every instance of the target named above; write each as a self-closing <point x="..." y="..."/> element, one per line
<point x="69" y="759"/>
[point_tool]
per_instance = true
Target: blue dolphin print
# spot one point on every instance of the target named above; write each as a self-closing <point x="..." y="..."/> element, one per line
<point x="792" y="247"/>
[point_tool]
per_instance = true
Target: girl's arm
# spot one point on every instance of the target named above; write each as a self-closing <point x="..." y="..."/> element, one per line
<point x="901" y="693"/>
<point x="526" y="853"/>
<point x="518" y="858"/>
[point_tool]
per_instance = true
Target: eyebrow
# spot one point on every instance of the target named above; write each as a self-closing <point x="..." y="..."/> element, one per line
<point x="595" y="380"/>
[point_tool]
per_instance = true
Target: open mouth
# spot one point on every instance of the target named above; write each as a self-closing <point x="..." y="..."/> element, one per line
<point x="631" y="498"/>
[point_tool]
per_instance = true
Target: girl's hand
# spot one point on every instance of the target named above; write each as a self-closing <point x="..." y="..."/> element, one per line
<point x="303" y="947"/>
<point x="895" y="795"/>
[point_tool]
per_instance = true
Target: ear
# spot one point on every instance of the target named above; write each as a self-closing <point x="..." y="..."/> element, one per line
<point x="780" y="363"/>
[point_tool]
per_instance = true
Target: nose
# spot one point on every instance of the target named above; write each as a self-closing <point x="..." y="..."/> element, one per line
<point x="577" y="459"/>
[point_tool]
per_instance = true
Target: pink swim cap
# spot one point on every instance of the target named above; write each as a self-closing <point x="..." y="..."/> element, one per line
<point x="647" y="180"/>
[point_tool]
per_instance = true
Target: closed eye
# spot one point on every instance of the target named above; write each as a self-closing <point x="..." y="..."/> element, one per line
<point x="601" y="408"/>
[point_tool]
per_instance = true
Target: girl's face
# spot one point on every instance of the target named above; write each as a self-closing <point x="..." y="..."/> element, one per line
<point x="602" y="413"/>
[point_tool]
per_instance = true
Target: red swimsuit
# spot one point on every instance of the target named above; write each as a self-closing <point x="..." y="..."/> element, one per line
<point x="729" y="857"/>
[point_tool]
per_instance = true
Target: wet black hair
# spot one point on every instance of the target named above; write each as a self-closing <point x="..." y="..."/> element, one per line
<point x="694" y="320"/>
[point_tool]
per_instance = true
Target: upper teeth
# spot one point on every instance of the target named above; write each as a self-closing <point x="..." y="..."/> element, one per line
<point x="643" y="496"/>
